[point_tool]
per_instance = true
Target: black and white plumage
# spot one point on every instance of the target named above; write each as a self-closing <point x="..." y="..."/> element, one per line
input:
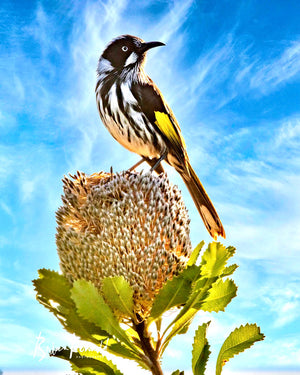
<point x="134" y="111"/>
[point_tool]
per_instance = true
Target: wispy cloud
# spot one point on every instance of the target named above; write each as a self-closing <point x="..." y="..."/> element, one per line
<point x="266" y="184"/>
<point x="283" y="302"/>
<point x="269" y="75"/>
<point x="231" y="67"/>
<point x="43" y="32"/>
<point x="15" y="290"/>
<point x="171" y="22"/>
<point x="287" y="142"/>
<point x="213" y="67"/>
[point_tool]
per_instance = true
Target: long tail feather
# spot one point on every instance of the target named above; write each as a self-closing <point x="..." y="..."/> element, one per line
<point x="203" y="203"/>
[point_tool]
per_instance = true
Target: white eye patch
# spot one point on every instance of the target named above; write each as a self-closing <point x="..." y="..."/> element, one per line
<point x="131" y="59"/>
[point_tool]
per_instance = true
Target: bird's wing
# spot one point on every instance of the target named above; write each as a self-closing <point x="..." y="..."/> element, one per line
<point x="153" y="105"/>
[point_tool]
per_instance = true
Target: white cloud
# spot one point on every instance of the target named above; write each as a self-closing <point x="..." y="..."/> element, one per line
<point x="171" y="22"/>
<point x="262" y="169"/>
<point x="213" y="67"/>
<point x="288" y="135"/>
<point x="270" y="74"/>
<point x="231" y="68"/>
<point x="283" y="301"/>
<point x="14" y="293"/>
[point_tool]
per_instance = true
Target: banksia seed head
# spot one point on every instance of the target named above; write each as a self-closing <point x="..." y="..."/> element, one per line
<point x="129" y="224"/>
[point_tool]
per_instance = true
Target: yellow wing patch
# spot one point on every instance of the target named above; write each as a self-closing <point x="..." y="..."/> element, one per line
<point x="168" y="128"/>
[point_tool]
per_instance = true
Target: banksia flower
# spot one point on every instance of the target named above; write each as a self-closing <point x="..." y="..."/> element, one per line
<point x="129" y="224"/>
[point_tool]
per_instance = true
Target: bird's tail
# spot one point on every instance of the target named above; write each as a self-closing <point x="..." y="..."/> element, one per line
<point x="203" y="203"/>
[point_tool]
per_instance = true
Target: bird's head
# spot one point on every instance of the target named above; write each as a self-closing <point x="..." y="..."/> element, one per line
<point x="125" y="51"/>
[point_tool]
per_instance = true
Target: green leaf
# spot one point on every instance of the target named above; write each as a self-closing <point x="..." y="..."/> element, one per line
<point x="52" y="285"/>
<point x="118" y="294"/>
<point x="200" y="352"/>
<point x="227" y="271"/>
<point x="219" y="296"/>
<point x="87" y="362"/>
<point x="117" y="348"/>
<point x="195" y="254"/>
<point x="238" y="340"/>
<point x="198" y="294"/>
<point x="165" y="298"/>
<point x="178" y="372"/>
<point x="215" y="258"/>
<point x="190" y="273"/>
<point x="54" y="292"/>
<point x="185" y="328"/>
<point x="92" y="307"/>
<point x="178" y="326"/>
<point x="175" y="292"/>
<point x="200" y="290"/>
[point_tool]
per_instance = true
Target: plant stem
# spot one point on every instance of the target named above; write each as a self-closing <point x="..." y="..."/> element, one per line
<point x="148" y="349"/>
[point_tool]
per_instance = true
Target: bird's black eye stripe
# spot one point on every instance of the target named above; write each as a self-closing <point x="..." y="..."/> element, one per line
<point x="124" y="48"/>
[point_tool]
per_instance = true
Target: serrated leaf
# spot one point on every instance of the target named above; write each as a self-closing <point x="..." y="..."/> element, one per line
<point x="198" y="294"/>
<point x="118" y="294"/>
<point x="227" y="271"/>
<point x="54" y="292"/>
<point x="200" y="290"/>
<point x="191" y="273"/>
<point x="200" y="352"/>
<point x="87" y="362"/>
<point x="175" y="292"/>
<point x="238" y="340"/>
<point x="195" y="254"/>
<point x="92" y="307"/>
<point x="52" y="286"/>
<point x="215" y="258"/>
<point x="219" y="296"/>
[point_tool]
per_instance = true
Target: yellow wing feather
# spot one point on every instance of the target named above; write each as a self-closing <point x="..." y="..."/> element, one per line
<point x="168" y="128"/>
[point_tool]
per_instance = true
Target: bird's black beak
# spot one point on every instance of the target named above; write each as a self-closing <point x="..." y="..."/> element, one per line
<point x="146" y="46"/>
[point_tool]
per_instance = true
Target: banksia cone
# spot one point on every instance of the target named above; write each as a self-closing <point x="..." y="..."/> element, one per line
<point x="129" y="224"/>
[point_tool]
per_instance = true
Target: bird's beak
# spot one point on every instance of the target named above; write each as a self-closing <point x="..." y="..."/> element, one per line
<point x="146" y="46"/>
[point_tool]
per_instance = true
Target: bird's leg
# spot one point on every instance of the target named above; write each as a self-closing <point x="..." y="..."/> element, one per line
<point x="162" y="157"/>
<point x="136" y="165"/>
<point x="153" y="162"/>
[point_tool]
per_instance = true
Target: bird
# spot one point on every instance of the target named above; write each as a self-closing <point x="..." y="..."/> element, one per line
<point x="136" y="114"/>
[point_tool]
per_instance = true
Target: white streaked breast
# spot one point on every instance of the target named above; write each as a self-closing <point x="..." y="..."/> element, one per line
<point x="120" y="133"/>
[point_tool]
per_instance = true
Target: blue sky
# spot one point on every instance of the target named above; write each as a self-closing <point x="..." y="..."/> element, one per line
<point x="231" y="73"/>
